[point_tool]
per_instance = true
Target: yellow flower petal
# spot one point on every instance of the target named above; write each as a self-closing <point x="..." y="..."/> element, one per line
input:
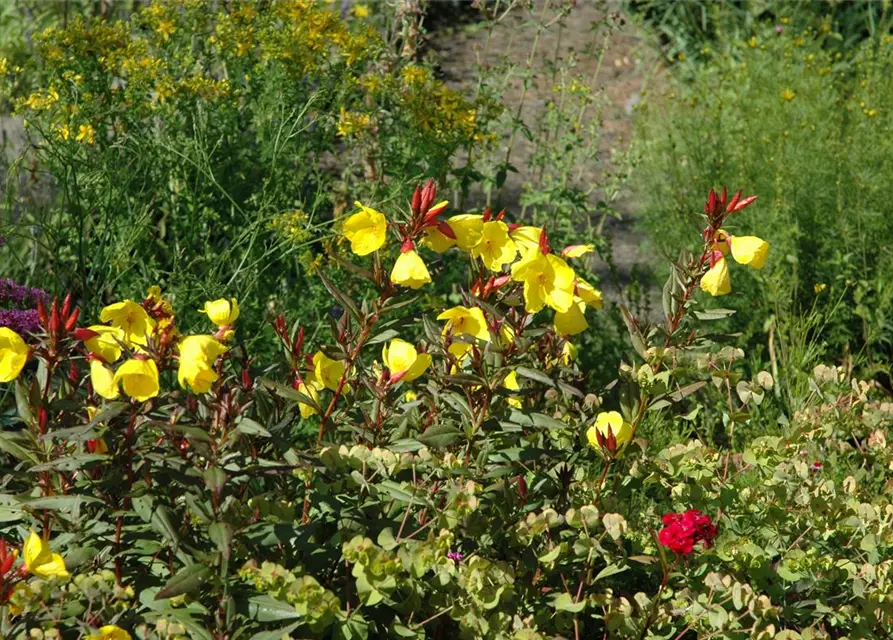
<point x="222" y="312"/>
<point x="40" y="560"/>
<point x="366" y="230"/>
<point x="103" y="380"/>
<point x="572" y="321"/>
<point x="750" y="250"/>
<point x="410" y="271"/>
<point x="138" y="378"/>
<point x="466" y="321"/>
<point x="716" y="281"/>
<point x="326" y="371"/>
<point x="131" y="318"/>
<point x="495" y="248"/>
<point x="468" y="228"/>
<point x="108" y="344"/>
<point x="13" y="354"/>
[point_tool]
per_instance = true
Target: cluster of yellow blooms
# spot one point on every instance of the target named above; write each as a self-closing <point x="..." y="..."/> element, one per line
<point x="548" y="280"/>
<point x="127" y="330"/>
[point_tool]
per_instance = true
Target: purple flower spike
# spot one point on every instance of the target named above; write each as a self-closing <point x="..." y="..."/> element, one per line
<point x="455" y="556"/>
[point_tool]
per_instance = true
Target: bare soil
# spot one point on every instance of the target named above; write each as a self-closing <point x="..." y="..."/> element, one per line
<point x="628" y="65"/>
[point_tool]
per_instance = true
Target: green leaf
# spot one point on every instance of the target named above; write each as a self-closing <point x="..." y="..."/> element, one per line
<point x="267" y="609"/>
<point x="687" y="390"/>
<point x="395" y="490"/>
<point x="13" y="444"/>
<point x="60" y="503"/>
<point x="534" y="374"/>
<point x="714" y="314"/>
<point x="158" y="516"/>
<point x="275" y="634"/>
<point x="611" y="570"/>
<point x="186" y="580"/>
<point x="564" y="602"/>
<point x="439" y="436"/>
<point x="249" y="427"/>
<point x="221" y="534"/>
<point x="69" y="463"/>
<point x="386" y="539"/>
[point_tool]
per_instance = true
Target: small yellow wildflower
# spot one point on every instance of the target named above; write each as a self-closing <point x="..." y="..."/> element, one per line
<point x="787" y="95"/>
<point x="819" y="287"/>
<point x="86" y="133"/>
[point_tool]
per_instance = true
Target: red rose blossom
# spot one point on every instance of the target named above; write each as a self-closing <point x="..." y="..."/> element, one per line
<point x="682" y="531"/>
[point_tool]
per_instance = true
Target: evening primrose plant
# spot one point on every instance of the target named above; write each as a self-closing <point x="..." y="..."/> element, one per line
<point x="464" y="481"/>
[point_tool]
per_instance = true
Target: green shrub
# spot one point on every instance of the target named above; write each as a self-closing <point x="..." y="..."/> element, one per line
<point x="468" y="484"/>
<point x="809" y="131"/>
<point x="210" y="151"/>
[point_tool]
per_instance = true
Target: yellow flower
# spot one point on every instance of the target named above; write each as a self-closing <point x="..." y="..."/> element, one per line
<point x="40" y="559"/>
<point x="86" y="133"/>
<point x="548" y="281"/>
<point x="818" y="288"/>
<point x="435" y="240"/>
<point x="787" y="95"/>
<point x="366" y="230"/>
<point x="410" y="271"/>
<point x="401" y="357"/>
<point x="108" y="344"/>
<point x="750" y="250"/>
<point x="527" y="239"/>
<point x="466" y="321"/>
<point x="103" y="380"/>
<point x="13" y="354"/>
<point x="716" y="281"/>
<point x="511" y="383"/>
<point x="577" y="250"/>
<point x="198" y="354"/>
<point x="589" y="294"/>
<point x="222" y="312"/>
<point x="410" y="396"/>
<point x="327" y="372"/>
<point x="110" y="632"/>
<point x="495" y="248"/>
<point x="608" y="422"/>
<point x="361" y="11"/>
<point x="310" y="388"/>
<point x="468" y="228"/>
<point x="131" y="318"/>
<point x="572" y="321"/>
<point x="139" y="378"/>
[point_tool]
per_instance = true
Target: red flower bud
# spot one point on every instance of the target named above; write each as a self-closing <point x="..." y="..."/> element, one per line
<point x="544" y="243"/>
<point x="407" y="246"/>
<point x="246" y="379"/>
<point x="748" y="200"/>
<point x="83" y="334"/>
<point x="54" y="318"/>
<point x="72" y="320"/>
<point x="734" y="201"/>
<point x="486" y="215"/>
<point x="42" y="314"/>
<point x="446" y="230"/>
<point x="66" y="305"/>
<point x="42" y="419"/>
<point x="522" y="488"/>
<point x="416" y="200"/>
